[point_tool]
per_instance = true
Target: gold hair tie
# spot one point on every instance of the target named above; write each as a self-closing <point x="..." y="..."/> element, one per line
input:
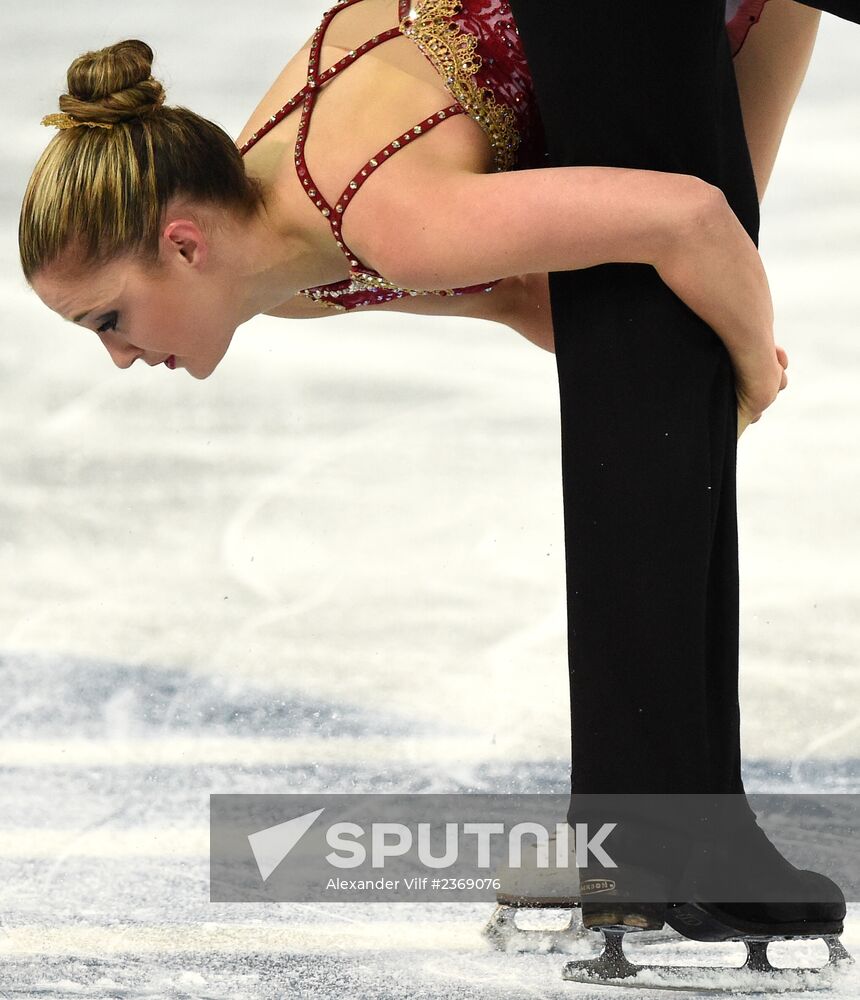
<point x="62" y="120"/>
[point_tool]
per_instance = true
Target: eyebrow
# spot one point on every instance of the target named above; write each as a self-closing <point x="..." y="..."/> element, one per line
<point x="77" y="319"/>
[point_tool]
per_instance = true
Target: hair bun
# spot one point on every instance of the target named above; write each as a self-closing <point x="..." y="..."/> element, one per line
<point x="113" y="84"/>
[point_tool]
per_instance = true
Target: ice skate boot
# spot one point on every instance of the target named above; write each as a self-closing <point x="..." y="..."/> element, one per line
<point x="640" y="897"/>
<point x="813" y="907"/>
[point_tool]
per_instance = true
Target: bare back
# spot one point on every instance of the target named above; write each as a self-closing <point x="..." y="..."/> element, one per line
<point x="357" y="113"/>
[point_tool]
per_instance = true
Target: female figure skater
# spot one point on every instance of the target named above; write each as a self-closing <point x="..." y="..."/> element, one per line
<point x="418" y="180"/>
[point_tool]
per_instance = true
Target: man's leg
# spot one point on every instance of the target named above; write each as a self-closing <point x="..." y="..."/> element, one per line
<point x="647" y="406"/>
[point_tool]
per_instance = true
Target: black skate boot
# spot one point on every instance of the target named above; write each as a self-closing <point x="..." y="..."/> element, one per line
<point x="792" y="903"/>
<point x="640" y="896"/>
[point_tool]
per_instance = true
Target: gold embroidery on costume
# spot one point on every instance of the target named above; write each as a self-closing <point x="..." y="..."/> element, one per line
<point x="452" y="52"/>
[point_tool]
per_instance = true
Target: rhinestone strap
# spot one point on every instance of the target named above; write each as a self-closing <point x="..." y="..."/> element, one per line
<point x="452" y="52"/>
<point x="355" y="184"/>
<point x="315" y="81"/>
<point x="278" y="116"/>
<point x="322" y="296"/>
<point x="363" y="277"/>
<point x="391" y="149"/>
<point x="374" y="292"/>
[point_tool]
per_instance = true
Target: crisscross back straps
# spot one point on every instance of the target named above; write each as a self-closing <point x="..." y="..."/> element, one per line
<point x="307" y="97"/>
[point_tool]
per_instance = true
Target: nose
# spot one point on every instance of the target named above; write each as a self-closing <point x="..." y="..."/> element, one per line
<point x="122" y="354"/>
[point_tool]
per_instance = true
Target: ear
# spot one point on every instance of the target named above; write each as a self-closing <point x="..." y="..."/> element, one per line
<point x="185" y="239"/>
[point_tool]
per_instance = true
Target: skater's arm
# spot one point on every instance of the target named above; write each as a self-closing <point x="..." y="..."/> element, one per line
<point x="770" y="69"/>
<point x="484" y="226"/>
<point x="455" y="229"/>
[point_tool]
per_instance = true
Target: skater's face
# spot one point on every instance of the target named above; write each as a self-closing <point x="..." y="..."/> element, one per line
<point x="179" y="306"/>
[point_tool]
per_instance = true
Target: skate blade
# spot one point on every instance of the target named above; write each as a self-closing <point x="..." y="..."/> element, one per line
<point x="504" y="934"/>
<point x="756" y="975"/>
<point x="524" y="902"/>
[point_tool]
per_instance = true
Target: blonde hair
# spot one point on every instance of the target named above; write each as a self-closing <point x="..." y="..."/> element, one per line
<point x="102" y="190"/>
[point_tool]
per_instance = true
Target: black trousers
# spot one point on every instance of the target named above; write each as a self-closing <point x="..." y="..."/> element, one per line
<point x="847" y="9"/>
<point x="648" y="408"/>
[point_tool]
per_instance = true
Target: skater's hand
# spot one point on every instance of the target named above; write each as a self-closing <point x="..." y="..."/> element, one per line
<point x="714" y="267"/>
<point x="754" y="387"/>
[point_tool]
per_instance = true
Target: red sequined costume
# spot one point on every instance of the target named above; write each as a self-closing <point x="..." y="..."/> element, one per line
<point x="475" y="46"/>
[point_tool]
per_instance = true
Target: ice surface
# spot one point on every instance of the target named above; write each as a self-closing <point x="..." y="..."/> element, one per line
<point x="338" y="565"/>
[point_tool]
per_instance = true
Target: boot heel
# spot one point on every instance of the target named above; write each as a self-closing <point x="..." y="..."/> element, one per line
<point x="633" y="890"/>
<point x="622" y="916"/>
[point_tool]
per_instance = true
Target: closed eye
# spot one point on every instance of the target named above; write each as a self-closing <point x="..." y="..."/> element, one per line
<point x="109" y="324"/>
